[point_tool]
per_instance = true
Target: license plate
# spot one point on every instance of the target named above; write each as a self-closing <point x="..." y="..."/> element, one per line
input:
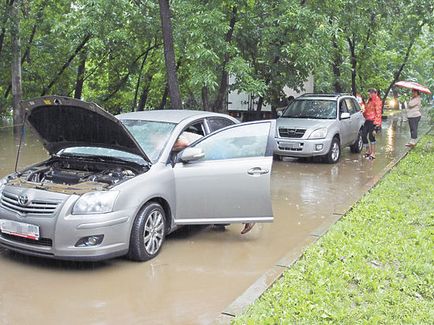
<point x="19" y="229"/>
<point x="289" y="145"/>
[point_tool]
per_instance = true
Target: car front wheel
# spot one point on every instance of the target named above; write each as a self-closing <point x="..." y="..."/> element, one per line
<point x="334" y="153"/>
<point x="148" y="233"/>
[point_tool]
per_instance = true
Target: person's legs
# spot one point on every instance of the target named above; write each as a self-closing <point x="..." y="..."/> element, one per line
<point x="372" y="150"/>
<point x="413" y="122"/>
<point x="372" y="142"/>
<point x="365" y="132"/>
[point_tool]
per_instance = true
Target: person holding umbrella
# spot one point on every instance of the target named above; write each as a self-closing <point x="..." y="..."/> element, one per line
<point x="413" y="107"/>
<point x="413" y="116"/>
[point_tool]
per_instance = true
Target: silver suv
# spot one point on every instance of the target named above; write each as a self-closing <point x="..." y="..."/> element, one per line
<point x="319" y="125"/>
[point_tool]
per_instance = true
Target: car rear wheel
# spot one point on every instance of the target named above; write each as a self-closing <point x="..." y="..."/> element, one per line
<point x="334" y="153"/>
<point x="148" y="233"/>
<point x="357" y="146"/>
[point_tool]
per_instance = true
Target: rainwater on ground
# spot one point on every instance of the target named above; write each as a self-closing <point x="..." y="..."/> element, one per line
<point x="200" y="270"/>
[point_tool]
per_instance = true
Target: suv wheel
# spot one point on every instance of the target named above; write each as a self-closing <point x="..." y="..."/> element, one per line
<point x="357" y="146"/>
<point x="277" y="157"/>
<point x="334" y="153"/>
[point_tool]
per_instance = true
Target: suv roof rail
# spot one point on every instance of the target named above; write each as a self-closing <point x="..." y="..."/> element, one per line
<point x="324" y="95"/>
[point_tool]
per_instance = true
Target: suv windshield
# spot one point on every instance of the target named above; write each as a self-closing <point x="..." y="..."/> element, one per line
<point x="311" y="108"/>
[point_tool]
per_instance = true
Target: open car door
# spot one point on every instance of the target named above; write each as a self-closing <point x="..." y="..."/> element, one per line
<point x="225" y="177"/>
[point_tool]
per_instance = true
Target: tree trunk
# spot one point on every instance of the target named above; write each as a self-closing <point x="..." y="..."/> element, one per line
<point x="222" y="92"/>
<point x="80" y="75"/>
<point x="352" y="47"/>
<point x="399" y="71"/>
<point x="164" y="98"/>
<point x="337" y="62"/>
<point x="205" y="99"/>
<point x="136" y="92"/>
<point x="125" y="78"/>
<point x="5" y="19"/>
<point x="17" y="92"/>
<point x="140" y="75"/>
<point x="66" y="64"/>
<point x="145" y="92"/>
<point x="169" y="55"/>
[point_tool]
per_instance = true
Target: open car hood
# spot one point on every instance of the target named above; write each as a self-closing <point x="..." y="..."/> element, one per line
<point x="62" y="122"/>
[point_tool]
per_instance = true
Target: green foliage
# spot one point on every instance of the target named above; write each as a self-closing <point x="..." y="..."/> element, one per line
<point x="374" y="266"/>
<point x="274" y="44"/>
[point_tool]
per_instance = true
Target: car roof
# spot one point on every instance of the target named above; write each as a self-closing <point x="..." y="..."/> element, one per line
<point x="323" y="96"/>
<point x="168" y="115"/>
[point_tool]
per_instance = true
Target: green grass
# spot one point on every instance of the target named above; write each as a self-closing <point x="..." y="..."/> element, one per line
<point x="375" y="266"/>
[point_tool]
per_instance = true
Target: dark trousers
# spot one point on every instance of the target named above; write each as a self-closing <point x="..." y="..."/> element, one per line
<point x="368" y="129"/>
<point x="413" y="122"/>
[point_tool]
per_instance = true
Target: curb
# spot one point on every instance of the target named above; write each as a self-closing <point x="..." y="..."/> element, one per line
<point x="249" y="296"/>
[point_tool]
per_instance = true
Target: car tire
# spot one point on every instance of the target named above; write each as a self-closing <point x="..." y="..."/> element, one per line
<point x="357" y="146"/>
<point x="277" y="157"/>
<point x="334" y="153"/>
<point x="148" y="233"/>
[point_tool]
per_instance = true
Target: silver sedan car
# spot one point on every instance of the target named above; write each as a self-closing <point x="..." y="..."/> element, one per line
<point x="115" y="186"/>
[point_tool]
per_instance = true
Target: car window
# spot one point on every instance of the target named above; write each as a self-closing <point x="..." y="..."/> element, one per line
<point x="311" y="109"/>
<point x="238" y="142"/>
<point x="196" y="128"/>
<point x="152" y="136"/>
<point x="351" y="105"/>
<point x="217" y="123"/>
<point x="343" y="107"/>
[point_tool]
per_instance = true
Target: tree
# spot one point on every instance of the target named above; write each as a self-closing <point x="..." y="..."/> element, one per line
<point x="169" y="55"/>
<point x="17" y="92"/>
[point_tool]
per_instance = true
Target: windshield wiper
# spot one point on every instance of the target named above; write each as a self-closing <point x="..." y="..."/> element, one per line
<point x="103" y="158"/>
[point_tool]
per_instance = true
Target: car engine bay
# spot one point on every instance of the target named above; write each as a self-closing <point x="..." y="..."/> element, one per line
<point x="74" y="175"/>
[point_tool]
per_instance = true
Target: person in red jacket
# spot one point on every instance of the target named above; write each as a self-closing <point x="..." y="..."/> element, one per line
<point x="372" y="114"/>
<point x="379" y="116"/>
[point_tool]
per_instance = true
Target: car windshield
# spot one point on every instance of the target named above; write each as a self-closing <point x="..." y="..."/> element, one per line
<point x="152" y="136"/>
<point x="311" y="108"/>
<point x="102" y="152"/>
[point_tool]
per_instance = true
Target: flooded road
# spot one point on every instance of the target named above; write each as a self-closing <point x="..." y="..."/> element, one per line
<point x="200" y="270"/>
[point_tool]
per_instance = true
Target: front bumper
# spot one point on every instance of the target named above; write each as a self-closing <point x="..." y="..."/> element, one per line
<point x="302" y="147"/>
<point x="60" y="232"/>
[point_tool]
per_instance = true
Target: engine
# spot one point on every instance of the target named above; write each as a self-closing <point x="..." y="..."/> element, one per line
<point x="77" y="175"/>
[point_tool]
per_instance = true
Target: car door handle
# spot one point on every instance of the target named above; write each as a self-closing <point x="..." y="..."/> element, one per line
<point x="255" y="171"/>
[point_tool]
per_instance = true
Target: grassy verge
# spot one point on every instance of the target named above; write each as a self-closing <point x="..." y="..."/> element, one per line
<point x="374" y="266"/>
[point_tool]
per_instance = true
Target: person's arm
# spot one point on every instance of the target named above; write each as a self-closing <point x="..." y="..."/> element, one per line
<point x="413" y="103"/>
<point x="378" y="113"/>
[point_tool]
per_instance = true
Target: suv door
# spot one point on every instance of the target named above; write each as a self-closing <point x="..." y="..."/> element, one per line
<point x="345" y="124"/>
<point x="231" y="183"/>
<point x="355" y="118"/>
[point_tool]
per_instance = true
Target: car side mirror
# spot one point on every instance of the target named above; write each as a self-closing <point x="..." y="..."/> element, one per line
<point x="345" y="115"/>
<point x="191" y="154"/>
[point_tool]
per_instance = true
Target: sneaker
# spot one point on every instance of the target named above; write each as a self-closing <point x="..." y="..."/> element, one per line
<point x="371" y="158"/>
<point x="367" y="155"/>
<point x="410" y="145"/>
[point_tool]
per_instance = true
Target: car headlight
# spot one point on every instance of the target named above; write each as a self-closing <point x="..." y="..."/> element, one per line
<point x="318" y="134"/>
<point x="95" y="203"/>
